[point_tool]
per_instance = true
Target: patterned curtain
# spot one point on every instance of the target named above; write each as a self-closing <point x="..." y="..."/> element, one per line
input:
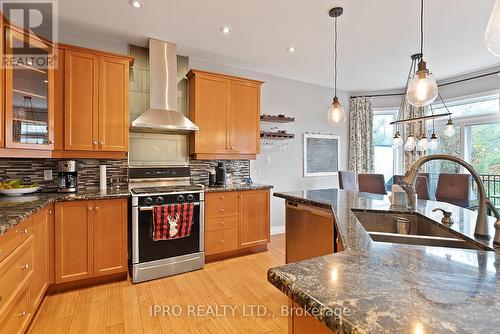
<point x="361" y="135"/>
<point x="417" y="129"/>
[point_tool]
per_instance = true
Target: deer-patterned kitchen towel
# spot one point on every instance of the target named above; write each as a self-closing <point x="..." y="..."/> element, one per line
<point x="172" y="221"/>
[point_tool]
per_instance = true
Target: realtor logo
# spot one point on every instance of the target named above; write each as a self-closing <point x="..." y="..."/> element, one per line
<point x="31" y="31"/>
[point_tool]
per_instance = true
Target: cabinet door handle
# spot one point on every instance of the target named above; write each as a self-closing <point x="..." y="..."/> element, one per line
<point x="96" y="208"/>
<point x="22" y="314"/>
<point x="222" y="223"/>
<point x="222" y="241"/>
<point x="24" y="231"/>
<point x="25" y="267"/>
<point x="221" y="210"/>
<point x="222" y="197"/>
<point x="101" y="144"/>
<point x="232" y="147"/>
<point x="94" y="142"/>
<point x="90" y="208"/>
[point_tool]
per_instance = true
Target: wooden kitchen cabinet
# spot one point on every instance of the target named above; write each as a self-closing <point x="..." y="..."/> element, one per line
<point x="113" y="104"/>
<point x="80" y="100"/>
<point x="73" y="241"/>
<point x="29" y="96"/>
<point x="95" y="102"/>
<point x="226" y="109"/>
<point x="2" y="73"/>
<point x="110" y="236"/>
<point x="254" y="218"/>
<point x="236" y="221"/>
<point x="43" y="236"/>
<point x="90" y="239"/>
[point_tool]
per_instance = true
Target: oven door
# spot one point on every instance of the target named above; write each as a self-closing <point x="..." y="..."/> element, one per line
<point x="146" y="249"/>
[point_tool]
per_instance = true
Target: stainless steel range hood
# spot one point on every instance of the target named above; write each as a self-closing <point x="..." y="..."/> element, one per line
<point x="162" y="115"/>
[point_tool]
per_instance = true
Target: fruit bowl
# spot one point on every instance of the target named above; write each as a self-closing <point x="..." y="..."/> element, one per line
<point x="18" y="191"/>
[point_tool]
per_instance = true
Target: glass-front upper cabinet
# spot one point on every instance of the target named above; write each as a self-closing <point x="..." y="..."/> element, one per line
<point x="29" y="91"/>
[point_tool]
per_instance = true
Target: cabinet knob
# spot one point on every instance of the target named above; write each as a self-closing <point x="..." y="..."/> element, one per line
<point x="50" y="212"/>
<point x="232" y="147"/>
<point x="222" y="241"/>
<point x="51" y="142"/>
<point x="222" y="223"/>
<point x="96" y="208"/>
<point x="94" y="142"/>
<point x="90" y="208"/>
<point x="222" y="197"/>
<point x="101" y="144"/>
<point x="24" y="231"/>
<point x="26" y="267"/>
<point x="221" y="210"/>
<point x="22" y="314"/>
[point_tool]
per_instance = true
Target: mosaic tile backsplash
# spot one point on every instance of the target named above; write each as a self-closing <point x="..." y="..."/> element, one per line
<point x="88" y="171"/>
<point x="239" y="169"/>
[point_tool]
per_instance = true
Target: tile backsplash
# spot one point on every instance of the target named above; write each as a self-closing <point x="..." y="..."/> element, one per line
<point x="239" y="169"/>
<point x="88" y="171"/>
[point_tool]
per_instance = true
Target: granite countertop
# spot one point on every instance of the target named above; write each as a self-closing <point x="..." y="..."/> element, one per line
<point x="237" y="187"/>
<point x="13" y="210"/>
<point x="384" y="287"/>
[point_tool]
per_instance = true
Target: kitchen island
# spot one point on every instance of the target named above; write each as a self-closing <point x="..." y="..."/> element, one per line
<point x="374" y="287"/>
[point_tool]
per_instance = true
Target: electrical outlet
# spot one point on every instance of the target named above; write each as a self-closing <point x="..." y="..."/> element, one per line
<point x="268" y="160"/>
<point x="47" y="175"/>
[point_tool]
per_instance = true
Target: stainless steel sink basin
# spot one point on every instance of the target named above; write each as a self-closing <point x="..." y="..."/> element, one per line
<point x="383" y="227"/>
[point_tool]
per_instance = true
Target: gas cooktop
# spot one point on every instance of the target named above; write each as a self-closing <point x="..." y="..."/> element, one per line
<point x="167" y="189"/>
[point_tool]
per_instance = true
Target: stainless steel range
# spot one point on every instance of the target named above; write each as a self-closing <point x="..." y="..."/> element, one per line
<point x="152" y="187"/>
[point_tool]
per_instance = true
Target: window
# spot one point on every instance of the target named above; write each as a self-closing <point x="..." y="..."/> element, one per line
<point x="476" y="140"/>
<point x="383" y="162"/>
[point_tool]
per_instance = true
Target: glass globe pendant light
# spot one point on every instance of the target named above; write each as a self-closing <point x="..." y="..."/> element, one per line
<point x="423" y="144"/>
<point x="410" y="143"/>
<point x="422" y="87"/>
<point x="449" y="129"/>
<point x="433" y="143"/>
<point x="492" y="35"/>
<point x="397" y="141"/>
<point x="336" y="113"/>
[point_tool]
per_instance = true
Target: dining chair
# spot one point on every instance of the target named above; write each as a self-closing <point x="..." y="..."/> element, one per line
<point x="455" y="189"/>
<point x="348" y="180"/>
<point x="372" y="183"/>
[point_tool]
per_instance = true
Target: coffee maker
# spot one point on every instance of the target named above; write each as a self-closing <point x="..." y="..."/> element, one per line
<point x="67" y="176"/>
<point x="221" y="174"/>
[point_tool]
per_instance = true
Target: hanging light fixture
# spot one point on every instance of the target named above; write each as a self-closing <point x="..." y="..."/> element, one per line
<point x="422" y="89"/>
<point x="336" y="113"/>
<point x="410" y="143"/>
<point x="397" y="141"/>
<point x="449" y="129"/>
<point x="492" y="35"/>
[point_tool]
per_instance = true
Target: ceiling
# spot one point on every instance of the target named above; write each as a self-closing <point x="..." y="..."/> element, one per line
<point x="376" y="38"/>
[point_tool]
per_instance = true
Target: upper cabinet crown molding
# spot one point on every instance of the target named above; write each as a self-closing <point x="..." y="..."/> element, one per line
<point x="227" y="111"/>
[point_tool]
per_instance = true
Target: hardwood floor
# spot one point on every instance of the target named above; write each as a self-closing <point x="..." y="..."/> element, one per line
<point x="238" y="284"/>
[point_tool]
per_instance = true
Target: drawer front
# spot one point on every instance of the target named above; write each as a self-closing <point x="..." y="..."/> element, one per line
<point x="221" y="210"/>
<point x="17" y="319"/>
<point x="13" y="238"/>
<point x="15" y="272"/>
<point x="225" y="197"/>
<point x="221" y="223"/>
<point x="221" y="241"/>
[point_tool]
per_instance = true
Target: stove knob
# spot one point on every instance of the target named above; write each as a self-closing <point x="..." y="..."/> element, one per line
<point x="190" y="197"/>
<point x="148" y="200"/>
<point x="180" y="198"/>
<point x="159" y="199"/>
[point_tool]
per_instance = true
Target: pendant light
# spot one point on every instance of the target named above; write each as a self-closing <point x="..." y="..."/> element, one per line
<point x="422" y="88"/>
<point x="492" y="35"/>
<point x="449" y="129"/>
<point x="336" y="113"/>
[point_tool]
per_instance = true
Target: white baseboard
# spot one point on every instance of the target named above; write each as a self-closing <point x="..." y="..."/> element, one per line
<point x="278" y="230"/>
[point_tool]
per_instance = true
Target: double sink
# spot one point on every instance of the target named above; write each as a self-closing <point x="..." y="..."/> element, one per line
<point x="413" y="229"/>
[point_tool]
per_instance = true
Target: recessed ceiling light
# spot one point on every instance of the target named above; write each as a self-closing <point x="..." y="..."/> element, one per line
<point x="225" y="30"/>
<point x="291" y="49"/>
<point x="136" y="3"/>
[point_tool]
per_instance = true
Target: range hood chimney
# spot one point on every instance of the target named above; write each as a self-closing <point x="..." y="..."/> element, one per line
<point x="162" y="115"/>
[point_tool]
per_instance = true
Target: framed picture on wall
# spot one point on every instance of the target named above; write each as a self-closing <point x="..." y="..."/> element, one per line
<point x="321" y="155"/>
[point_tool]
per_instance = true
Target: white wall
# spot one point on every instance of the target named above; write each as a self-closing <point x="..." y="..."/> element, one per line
<point x="309" y="105"/>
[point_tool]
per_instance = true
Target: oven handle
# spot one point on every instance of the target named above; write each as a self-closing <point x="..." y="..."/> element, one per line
<point x="150" y="208"/>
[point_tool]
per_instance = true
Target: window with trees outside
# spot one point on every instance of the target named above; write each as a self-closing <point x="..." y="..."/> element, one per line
<point x="476" y="140"/>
